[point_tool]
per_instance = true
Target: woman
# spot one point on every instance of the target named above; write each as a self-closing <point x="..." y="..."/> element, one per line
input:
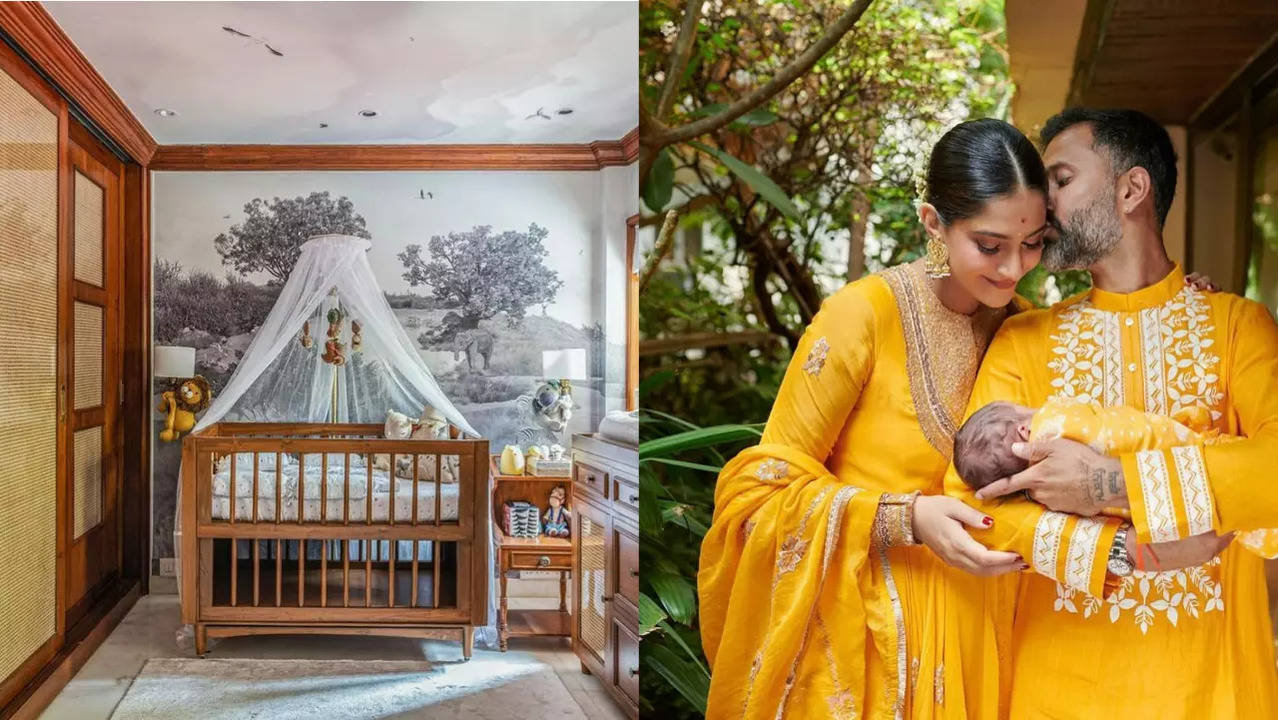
<point x="837" y="580"/>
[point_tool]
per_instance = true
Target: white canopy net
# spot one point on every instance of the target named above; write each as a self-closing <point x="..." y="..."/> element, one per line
<point x="279" y="380"/>
<point x="284" y="378"/>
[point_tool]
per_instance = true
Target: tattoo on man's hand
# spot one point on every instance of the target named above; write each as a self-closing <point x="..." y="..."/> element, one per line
<point x="1115" y="483"/>
<point x="1097" y="493"/>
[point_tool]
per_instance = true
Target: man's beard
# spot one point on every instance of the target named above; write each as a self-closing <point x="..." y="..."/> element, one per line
<point x="1086" y="236"/>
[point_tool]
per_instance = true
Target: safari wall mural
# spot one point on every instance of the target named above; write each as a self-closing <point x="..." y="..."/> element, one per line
<point x="484" y="270"/>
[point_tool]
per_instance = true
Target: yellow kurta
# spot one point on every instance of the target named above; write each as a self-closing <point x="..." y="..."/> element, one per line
<point x="1122" y="430"/>
<point x="1195" y="643"/>
<point x="802" y="615"/>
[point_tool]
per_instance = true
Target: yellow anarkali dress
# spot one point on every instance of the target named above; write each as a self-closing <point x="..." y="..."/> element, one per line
<point x="811" y="607"/>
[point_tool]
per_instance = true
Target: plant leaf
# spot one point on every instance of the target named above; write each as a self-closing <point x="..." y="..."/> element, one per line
<point x="692" y="439"/>
<point x="650" y="613"/>
<point x="681" y="675"/>
<point x="660" y="185"/>
<point x="752" y="176"/>
<point x="676" y="595"/>
<point x="673" y="632"/>
<point x="690" y="465"/>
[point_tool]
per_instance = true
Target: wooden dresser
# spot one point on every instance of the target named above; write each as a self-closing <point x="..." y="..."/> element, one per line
<point x="605" y="627"/>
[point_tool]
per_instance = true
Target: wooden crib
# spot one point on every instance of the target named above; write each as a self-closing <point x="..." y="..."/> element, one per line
<point x="366" y="564"/>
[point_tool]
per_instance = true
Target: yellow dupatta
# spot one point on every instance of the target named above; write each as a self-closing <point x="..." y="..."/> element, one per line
<point x="781" y="515"/>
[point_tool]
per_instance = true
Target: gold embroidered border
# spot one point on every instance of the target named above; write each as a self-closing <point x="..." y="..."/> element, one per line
<point x="942" y="352"/>
<point x="895" y="598"/>
<point x="834" y="521"/>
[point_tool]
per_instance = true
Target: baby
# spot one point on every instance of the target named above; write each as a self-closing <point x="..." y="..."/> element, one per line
<point x="983" y="446"/>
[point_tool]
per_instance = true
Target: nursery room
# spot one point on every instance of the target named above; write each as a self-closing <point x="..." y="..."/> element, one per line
<point x="320" y="399"/>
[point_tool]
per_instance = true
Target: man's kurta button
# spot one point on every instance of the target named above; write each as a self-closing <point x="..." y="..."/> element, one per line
<point x="1129" y="322"/>
<point x="1131" y="367"/>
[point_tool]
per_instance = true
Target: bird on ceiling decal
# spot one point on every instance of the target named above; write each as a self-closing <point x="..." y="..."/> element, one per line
<point x="539" y="114"/>
<point x="259" y="41"/>
<point x="425" y="195"/>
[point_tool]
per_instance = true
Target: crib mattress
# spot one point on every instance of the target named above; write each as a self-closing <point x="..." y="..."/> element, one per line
<point x="312" y="488"/>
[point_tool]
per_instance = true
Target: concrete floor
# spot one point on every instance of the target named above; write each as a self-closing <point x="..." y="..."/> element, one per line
<point x="150" y="630"/>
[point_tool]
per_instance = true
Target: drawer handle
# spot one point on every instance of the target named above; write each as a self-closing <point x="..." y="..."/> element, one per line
<point x="605" y="598"/>
<point x="634" y="573"/>
<point x="634" y="498"/>
<point x="634" y="672"/>
<point x="543" y="561"/>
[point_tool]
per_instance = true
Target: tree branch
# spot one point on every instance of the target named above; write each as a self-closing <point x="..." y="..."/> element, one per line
<point x="679" y="55"/>
<point x="665" y="238"/>
<point x="763" y="93"/>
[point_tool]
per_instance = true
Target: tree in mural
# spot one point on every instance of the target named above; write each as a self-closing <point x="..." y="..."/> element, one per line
<point x="478" y="273"/>
<point x="271" y="237"/>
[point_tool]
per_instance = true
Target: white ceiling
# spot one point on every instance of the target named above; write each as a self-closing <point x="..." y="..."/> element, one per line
<point x="435" y="72"/>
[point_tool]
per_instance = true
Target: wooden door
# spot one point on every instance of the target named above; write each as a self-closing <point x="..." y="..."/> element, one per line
<point x="92" y="400"/>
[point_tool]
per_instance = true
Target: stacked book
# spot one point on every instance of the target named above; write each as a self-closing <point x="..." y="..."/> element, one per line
<point x="523" y="519"/>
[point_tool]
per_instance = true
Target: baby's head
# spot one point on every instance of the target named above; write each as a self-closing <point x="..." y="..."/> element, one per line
<point x="983" y="446"/>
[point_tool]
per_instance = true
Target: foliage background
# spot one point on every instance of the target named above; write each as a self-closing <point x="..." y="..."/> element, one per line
<point x="778" y="208"/>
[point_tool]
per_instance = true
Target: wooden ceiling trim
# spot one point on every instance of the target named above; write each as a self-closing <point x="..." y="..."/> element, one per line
<point x="592" y="156"/>
<point x="36" y="32"/>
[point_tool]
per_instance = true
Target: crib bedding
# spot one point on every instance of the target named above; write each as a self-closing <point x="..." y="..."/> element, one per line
<point x="312" y="491"/>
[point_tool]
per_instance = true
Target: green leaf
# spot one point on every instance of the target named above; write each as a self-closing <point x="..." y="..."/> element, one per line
<point x="650" y="613"/>
<point x="682" y="675"/>
<point x="660" y="185"/>
<point x="655" y="381"/>
<point x="684" y="464"/>
<point x="676" y="594"/>
<point x="751" y="176"/>
<point x="666" y="416"/>
<point x="673" y="632"/>
<point x="677" y="513"/>
<point x="757" y="117"/>
<point x="650" y="490"/>
<point x="692" y="439"/>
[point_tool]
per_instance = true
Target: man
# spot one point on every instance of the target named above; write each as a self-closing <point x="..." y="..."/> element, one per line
<point x="1093" y="638"/>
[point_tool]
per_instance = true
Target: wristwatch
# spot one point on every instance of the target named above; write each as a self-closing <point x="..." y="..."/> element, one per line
<point x="1120" y="561"/>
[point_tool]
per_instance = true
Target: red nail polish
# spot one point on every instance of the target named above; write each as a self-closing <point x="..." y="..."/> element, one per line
<point x="987" y="521"/>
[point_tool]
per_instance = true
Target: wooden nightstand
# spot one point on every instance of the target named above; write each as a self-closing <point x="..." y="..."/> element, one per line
<point x="543" y="553"/>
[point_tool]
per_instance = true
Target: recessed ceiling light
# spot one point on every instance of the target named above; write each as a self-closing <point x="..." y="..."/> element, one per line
<point x="165" y="112"/>
<point x="565" y="111"/>
<point x="368" y="113"/>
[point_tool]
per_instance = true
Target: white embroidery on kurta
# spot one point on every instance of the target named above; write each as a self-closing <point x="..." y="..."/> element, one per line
<point x="1180" y="368"/>
<point x="1146" y="595"/>
<point x="1193" y="485"/>
<point x="1082" y="552"/>
<point x="816" y="357"/>
<point x="1155" y="488"/>
<point x="1191" y="363"/>
<point x="1086" y="359"/>
<point x="1047" y="542"/>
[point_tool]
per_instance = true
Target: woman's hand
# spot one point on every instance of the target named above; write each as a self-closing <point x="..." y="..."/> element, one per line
<point x="1201" y="282"/>
<point x="938" y="523"/>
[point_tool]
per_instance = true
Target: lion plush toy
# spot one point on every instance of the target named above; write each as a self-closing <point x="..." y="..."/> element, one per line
<point x="181" y="404"/>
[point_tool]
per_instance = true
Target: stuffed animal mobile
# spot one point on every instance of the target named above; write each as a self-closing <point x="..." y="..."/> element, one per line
<point x="181" y="404"/>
